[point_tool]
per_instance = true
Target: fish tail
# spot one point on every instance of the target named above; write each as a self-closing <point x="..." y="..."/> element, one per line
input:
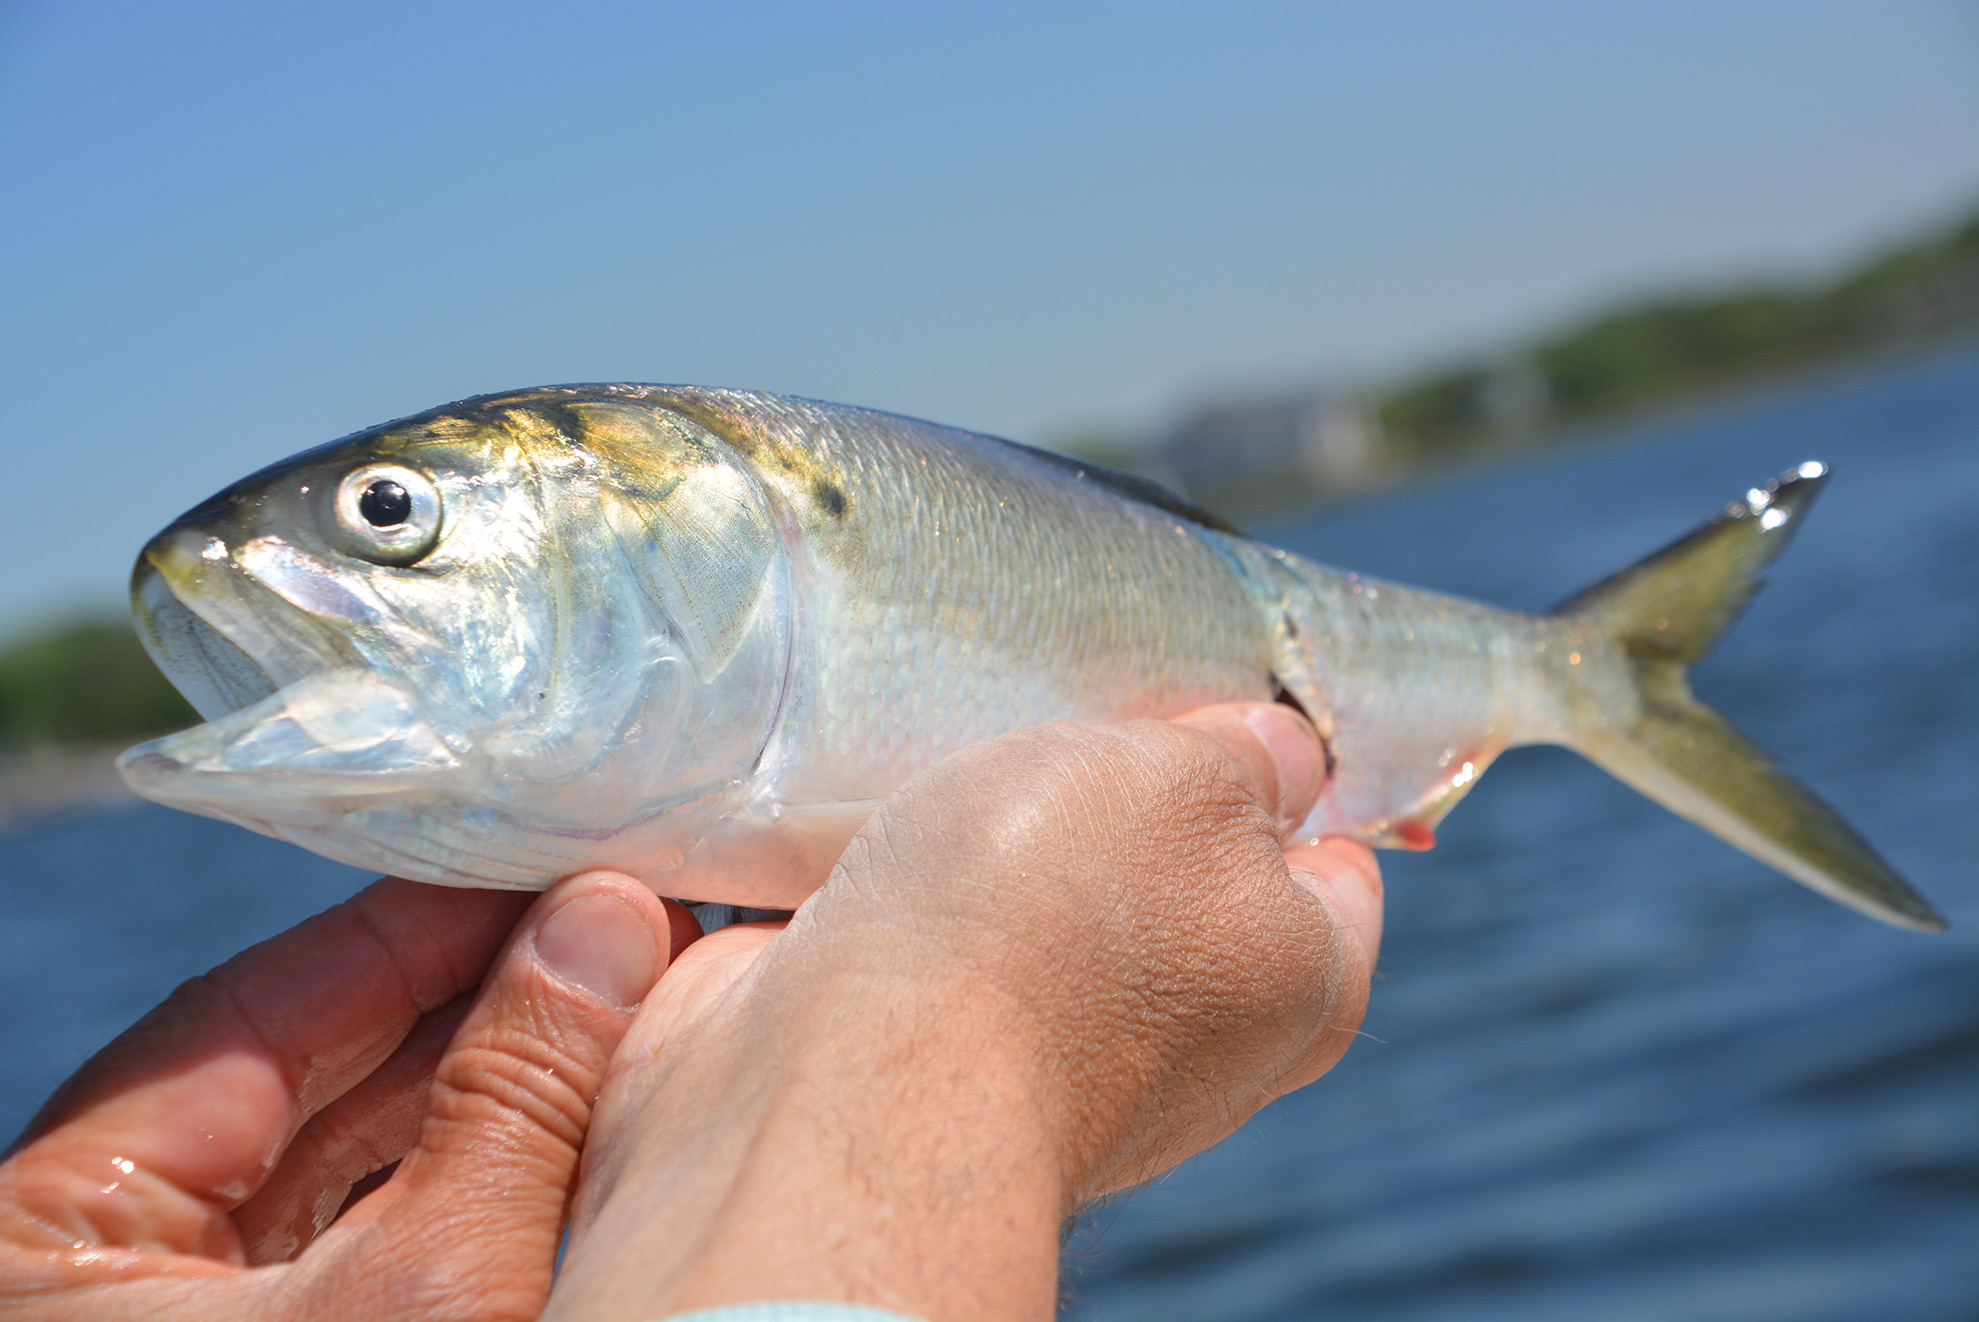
<point x="1663" y="614"/>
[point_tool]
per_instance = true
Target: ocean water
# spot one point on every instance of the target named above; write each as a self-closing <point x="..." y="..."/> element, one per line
<point x="1615" y="1069"/>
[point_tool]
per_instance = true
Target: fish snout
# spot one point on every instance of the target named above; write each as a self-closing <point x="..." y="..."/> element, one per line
<point x="180" y="547"/>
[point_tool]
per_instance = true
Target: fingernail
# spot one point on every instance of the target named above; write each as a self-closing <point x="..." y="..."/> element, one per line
<point x="1295" y="751"/>
<point x="598" y="943"/>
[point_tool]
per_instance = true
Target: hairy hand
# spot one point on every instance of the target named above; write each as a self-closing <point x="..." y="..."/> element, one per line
<point x="1050" y="967"/>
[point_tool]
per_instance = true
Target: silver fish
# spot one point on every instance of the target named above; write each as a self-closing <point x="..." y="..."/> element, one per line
<point x="698" y="635"/>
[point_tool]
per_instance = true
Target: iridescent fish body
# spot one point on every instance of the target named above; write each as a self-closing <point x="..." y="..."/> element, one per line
<point x="698" y="635"/>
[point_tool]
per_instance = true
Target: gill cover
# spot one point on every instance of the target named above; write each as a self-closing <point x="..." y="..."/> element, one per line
<point x="694" y="529"/>
<point x="575" y="658"/>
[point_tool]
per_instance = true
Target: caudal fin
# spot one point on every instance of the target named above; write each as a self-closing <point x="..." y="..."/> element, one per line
<point x="1664" y="613"/>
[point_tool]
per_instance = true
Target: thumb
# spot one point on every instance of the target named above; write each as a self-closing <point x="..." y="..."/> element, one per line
<point x="469" y="1223"/>
<point x="1277" y="748"/>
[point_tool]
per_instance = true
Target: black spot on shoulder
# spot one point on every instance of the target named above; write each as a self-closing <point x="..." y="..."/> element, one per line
<point x="562" y="418"/>
<point x="830" y="497"/>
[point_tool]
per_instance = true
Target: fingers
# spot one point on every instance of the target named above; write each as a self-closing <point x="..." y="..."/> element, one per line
<point x="474" y="1212"/>
<point x="1286" y="761"/>
<point x="1277" y="749"/>
<point x="1344" y="877"/>
<point x="1344" y="874"/>
<point x="1052" y="966"/>
<point x="1263" y="970"/>
<point x="363" y="1132"/>
<point x="182" y="1117"/>
<point x="704" y="973"/>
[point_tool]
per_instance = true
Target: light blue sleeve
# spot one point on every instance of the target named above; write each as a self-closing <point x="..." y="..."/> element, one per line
<point x="789" y="1312"/>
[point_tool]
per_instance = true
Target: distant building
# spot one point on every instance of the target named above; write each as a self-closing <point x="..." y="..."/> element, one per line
<point x="1325" y="437"/>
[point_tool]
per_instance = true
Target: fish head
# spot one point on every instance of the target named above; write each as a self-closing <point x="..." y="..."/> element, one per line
<point x="487" y="645"/>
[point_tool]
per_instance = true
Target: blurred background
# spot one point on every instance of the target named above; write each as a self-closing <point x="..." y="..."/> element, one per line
<point x="1491" y="298"/>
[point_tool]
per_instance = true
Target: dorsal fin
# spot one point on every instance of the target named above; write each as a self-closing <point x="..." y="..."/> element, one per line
<point x="1129" y="485"/>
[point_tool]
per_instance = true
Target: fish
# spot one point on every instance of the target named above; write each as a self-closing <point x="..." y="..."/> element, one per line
<point x="700" y="635"/>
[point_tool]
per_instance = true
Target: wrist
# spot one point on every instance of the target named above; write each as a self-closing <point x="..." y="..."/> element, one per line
<point x="882" y="1141"/>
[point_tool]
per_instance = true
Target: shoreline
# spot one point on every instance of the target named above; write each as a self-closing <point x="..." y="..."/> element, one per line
<point x="1266" y="501"/>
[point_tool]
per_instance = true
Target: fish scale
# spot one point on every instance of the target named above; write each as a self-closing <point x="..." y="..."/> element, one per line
<point x="984" y="619"/>
<point x="699" y="635"/>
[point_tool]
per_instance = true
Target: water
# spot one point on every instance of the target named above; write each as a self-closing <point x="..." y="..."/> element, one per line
<point x="1623" y="1072"/>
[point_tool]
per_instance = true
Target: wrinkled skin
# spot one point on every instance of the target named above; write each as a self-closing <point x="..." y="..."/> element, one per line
<point x="988" y="1013"/>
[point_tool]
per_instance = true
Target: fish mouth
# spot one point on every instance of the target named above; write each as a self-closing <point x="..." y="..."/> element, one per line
<point x="224" y="638"/>
<point x="203" y="664"/>
<point x="297" y="727"/>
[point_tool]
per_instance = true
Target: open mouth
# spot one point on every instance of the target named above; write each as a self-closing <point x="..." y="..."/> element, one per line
<point x="215" y="676"/>
<point x="225" y="634"/>
<point x="294" y="720"/>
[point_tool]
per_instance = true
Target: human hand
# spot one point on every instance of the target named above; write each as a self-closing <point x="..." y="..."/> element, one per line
<point x="1049" y="968"/>
<point x="190" y="1169"/>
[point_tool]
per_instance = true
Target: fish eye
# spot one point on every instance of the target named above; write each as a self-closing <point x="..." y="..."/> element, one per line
<point x="388" y="513"/>
<point x="385" y="504"/>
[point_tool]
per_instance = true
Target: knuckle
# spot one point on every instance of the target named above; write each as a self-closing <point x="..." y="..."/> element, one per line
<point x="516" y="1083"/>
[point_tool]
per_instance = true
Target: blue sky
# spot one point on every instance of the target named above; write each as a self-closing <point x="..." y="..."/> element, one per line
<point x="228" y="232"/>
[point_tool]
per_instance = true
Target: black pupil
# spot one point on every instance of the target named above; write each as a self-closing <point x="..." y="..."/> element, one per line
<point x="385" y="504"/>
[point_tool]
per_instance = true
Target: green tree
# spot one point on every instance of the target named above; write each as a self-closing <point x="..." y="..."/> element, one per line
<point x="87" y="681"/>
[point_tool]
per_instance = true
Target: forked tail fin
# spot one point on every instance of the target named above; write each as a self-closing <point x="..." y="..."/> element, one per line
<point x="1664" y="613"/>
